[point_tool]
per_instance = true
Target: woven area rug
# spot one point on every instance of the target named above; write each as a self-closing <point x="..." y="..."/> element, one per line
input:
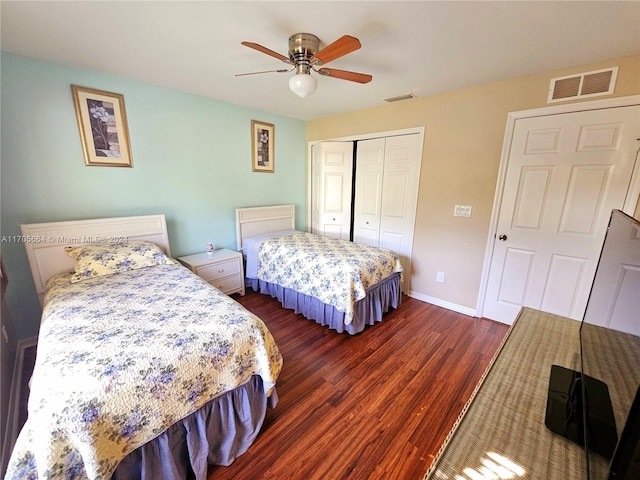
<point x="502" y="426"/>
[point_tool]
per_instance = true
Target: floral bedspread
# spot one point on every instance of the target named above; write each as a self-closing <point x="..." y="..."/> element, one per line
<point x="336" y="272"/>
<point x="123" y="357"/>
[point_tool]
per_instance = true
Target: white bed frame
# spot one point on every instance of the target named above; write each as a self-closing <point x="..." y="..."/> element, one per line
<point x="45" y="242"/>
<point x="254" y="221"/>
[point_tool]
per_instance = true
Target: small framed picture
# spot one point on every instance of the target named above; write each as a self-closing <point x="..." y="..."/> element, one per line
<point x="102" y="122"/>
<point x="262" y="142"/>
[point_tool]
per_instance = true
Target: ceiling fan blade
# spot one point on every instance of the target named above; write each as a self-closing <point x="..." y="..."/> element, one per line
<point x="342" y="46"/>
<point x="262" y="49"/>
<point x="281" y="70"/>
<point x="345" y="75"/>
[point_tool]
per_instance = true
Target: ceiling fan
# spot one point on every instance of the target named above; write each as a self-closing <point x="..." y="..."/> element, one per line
<point x="305" y="55"/>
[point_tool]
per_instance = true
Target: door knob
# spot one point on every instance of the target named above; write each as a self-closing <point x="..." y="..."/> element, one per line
<point x="502" y="237"/>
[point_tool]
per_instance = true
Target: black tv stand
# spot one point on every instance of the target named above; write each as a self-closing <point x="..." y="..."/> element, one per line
<point x="564" y="410"/>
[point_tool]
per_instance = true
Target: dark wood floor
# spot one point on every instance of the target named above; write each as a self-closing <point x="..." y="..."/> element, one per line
<point x="376" y="405"/>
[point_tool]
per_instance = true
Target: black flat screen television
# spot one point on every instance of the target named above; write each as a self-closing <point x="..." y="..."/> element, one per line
<point x="598" y="407"/>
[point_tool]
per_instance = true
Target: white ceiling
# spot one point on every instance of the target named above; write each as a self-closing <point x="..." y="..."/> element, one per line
<point x="424" y="47"/>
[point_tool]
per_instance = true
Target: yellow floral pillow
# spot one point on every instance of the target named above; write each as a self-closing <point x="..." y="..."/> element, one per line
<point x="106" y="259"/>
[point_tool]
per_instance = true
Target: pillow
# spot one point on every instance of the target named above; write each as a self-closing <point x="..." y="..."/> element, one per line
<point x="106" y="259"/>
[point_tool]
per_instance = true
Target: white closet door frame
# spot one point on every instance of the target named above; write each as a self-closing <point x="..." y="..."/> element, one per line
<point x="632" y="195"/>
<point x="365" y="136"/>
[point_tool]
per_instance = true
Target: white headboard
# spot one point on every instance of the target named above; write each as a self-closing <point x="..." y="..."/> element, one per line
<point x="254" y="221"/>
<point x="45" y="242"/>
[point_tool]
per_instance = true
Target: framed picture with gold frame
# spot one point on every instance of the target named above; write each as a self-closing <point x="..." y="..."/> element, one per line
<point x="102" y="121"/>
<point x="262" y="143"/>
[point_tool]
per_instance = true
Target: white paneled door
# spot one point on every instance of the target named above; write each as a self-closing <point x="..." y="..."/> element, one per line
<point x="565" y="174"/>
<point x="368" y="194"/>
<point x="386" y="195"/>
<point x="331" y="175"/>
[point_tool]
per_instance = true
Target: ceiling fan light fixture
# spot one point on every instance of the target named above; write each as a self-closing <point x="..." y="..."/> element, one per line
<point x="305" y="56"/>
<point x="303" y="84"/>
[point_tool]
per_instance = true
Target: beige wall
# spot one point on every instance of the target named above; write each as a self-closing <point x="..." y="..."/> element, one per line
<point x="464" y="131"/>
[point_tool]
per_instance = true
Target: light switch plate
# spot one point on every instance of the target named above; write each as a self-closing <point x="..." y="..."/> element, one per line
<point x="462" y="211"/>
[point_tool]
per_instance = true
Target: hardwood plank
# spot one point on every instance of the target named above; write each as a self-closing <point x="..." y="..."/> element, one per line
<point x="376" y="405"/>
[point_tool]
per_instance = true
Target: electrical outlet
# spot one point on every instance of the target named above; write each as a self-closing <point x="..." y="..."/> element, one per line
<point x="440" y="277"/>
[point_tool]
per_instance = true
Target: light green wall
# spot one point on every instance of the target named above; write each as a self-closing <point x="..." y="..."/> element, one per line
<point x="191" y="161"/>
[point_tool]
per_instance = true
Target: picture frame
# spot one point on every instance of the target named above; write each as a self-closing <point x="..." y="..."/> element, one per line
<point x="102" y="121"/>
<point x="262" y="146"/>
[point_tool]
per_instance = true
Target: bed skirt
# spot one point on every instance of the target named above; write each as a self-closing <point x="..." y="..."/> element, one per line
<point x="214" y="435"/>
<point x="369" y="310"/>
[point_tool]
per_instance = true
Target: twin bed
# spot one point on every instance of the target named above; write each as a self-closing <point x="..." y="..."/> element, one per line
<point x="342" y="285"/>
<point x="144" y="370"/>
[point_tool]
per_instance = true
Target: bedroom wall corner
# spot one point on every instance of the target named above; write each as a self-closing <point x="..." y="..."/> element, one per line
<point x="191" y="162"/>
<point x="464" y="132"/>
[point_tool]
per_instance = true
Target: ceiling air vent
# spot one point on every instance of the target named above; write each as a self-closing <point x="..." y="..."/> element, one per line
<point x="583" y="85"/>
<point x="397" y="98"/>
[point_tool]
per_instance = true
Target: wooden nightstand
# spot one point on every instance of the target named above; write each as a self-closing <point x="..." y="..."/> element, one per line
<point x="222" y="269"/>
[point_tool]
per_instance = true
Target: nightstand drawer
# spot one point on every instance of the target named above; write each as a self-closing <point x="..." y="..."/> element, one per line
<point x="219" y="270"/>
<point x="222" y="269"/>
<point x="228" y="284"/>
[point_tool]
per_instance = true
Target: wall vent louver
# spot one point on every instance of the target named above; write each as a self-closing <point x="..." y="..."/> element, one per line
<point x="397" y="98"/>
<point x="583" y="85"/>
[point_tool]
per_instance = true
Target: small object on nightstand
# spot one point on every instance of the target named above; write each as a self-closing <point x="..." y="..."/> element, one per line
<point x="222" y="268"/>
<point x="210" y="248"/>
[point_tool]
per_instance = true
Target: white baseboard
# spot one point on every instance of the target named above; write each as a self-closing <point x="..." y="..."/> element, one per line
<point x="443" y="303"/>
<point x="12" y="427"/>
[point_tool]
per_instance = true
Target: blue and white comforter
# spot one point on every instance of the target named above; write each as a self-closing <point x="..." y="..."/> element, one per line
<point x="336" y="272"/>
<point x="123" y="357"/>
